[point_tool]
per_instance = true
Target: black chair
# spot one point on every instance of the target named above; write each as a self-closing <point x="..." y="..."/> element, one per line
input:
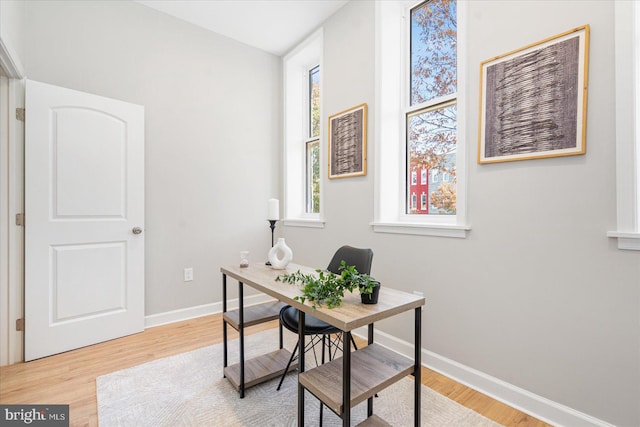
<point x="319" y="330"/>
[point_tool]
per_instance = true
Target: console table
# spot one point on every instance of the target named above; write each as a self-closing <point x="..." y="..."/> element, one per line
<point x="342" y="383"/>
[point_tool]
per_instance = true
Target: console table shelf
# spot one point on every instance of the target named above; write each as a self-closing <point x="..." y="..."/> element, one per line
<point x="260" y="369"/>
<point x="373" y="368"/>
<point x="254" y="314"/>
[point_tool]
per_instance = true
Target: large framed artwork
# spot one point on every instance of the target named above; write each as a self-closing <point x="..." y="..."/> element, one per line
<point x="533" y="100"/>
<point x="348" y="143"/>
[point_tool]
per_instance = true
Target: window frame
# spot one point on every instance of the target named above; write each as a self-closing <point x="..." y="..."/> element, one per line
<point x="297" y="65"/>
<point x="392" y="91"/>
<point x="627" y="64"/>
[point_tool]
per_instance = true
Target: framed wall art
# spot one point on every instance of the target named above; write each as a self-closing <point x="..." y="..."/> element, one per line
<point x="348" y="143"/>
<point x="533" y="100"/>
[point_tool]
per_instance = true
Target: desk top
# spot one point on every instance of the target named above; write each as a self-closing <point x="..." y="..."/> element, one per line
<point x="350" y="315"/>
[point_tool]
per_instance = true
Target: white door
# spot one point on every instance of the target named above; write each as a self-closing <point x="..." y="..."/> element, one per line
<point x="84" y="214"/>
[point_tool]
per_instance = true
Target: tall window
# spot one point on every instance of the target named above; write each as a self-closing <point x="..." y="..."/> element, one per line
<point x="627" y="50"/>
<point x="303" y="131"/>
<point x="420" y="49"/>
<point x="312" y="148"/>
<point x="431" y="114"/>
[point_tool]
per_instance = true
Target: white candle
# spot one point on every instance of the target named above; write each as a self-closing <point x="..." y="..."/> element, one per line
<point x="274" y="209"/>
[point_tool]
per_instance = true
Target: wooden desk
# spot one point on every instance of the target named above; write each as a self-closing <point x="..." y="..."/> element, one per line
<point x="338" y="384"/>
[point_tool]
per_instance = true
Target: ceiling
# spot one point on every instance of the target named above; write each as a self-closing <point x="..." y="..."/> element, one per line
<point x="274" y="26"/>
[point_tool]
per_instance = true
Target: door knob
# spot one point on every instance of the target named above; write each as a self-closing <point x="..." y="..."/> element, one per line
<point x="137" y="230"/>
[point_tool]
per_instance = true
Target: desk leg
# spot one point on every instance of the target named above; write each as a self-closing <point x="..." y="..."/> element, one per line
<point x="346" y="379"/>
<point x="224" y="324"/>
<point x="301" y="346"/>
<point x="241" y="338"/>
<point x="370" y="400"/>
<point x="417" y="373"/>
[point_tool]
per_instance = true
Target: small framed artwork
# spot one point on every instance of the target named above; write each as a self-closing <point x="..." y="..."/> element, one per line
<point x="348" y="143"/>
<point x="533" y="100"/>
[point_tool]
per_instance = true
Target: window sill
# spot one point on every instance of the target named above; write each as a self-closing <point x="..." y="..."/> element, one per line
<point x="628" y="241"/>
<point x="457" y="231"/>
<point x="308" y="223"/>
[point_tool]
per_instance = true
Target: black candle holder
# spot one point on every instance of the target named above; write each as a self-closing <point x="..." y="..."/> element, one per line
<point x="272" y="225"/>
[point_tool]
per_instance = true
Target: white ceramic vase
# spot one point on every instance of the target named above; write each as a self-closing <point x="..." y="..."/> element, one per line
<point x="280" y="255"/>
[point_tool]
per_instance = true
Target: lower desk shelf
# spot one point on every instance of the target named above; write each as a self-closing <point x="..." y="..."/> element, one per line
<point x="374" y="421"/>
<point x="260" y="369"/>
<point x="373" y="368"/>
<point x="254" y="314"/>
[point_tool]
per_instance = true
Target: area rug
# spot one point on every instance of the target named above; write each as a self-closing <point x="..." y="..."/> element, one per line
<point x="189" y="390"/>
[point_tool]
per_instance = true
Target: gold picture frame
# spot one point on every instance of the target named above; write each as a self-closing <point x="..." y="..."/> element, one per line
<point x="533" y="100"/>
<point x="348" y="143"/>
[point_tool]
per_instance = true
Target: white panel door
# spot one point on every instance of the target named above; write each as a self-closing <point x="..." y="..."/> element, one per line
<point x="84" y="209"/>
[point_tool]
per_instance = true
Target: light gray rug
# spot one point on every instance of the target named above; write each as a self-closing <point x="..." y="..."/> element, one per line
<point x="188" y="390"/>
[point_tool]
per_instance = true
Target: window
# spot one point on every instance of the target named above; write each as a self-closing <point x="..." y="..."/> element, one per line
<point x="313" y="144"/>
<point x="414" y="178"/>
<point x="414" y="201"/>
<point x="627" y="54"/>
<point x="430" y="115"/>
<point x="418" y="49"/>
<point x="302" y="69"/>
<point x="423" y="177"/>
<point x="313" y="176"/>
<point x="423" y="201"/>
<point x="627" y="57"/>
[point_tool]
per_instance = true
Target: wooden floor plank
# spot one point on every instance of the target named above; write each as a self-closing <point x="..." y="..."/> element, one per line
<point x="69" y="378"/>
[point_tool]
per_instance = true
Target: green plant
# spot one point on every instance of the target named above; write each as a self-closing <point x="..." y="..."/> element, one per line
<point x="353" y="279"/>
<point x="328" y="288"/>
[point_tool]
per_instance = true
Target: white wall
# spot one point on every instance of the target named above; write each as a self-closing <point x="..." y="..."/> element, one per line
<point x="12" y="34"/>
<point x="537" y="295"/>
<point x="212" y="109"/>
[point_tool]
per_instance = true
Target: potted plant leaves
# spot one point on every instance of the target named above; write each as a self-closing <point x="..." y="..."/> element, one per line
<point x="369" y="294"/>
<point x="369" y="287"/>
<point x="328" y="288"/>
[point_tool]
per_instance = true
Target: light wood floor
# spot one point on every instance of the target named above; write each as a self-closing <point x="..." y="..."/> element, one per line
<point x="69" y="378"/>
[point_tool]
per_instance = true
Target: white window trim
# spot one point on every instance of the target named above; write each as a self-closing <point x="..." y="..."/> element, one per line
<point x="296" y="65"/>
<point x="391" y="65"/>
<point x="627" y="45"/>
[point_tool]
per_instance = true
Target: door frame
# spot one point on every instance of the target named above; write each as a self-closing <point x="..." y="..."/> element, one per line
<point x="12" y="295"/>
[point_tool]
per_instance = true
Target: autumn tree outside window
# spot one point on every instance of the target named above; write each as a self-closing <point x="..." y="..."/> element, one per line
<point x="313" y="143"/>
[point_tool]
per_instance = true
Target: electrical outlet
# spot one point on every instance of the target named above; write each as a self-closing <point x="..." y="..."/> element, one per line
<point x="188" y="274"/>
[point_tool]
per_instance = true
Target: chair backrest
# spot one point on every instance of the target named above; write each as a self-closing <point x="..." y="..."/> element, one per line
<point x="360" y="258"/>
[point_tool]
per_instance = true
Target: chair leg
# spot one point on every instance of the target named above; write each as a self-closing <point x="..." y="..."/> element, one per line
<point x="295" y="350"/>
<point x="354" y="343"/>
<point x="323" y="350"/>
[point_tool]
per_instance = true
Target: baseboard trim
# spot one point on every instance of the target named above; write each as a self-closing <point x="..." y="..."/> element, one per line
<point x="530" y="403"/>
<point x="159" y="319"/>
